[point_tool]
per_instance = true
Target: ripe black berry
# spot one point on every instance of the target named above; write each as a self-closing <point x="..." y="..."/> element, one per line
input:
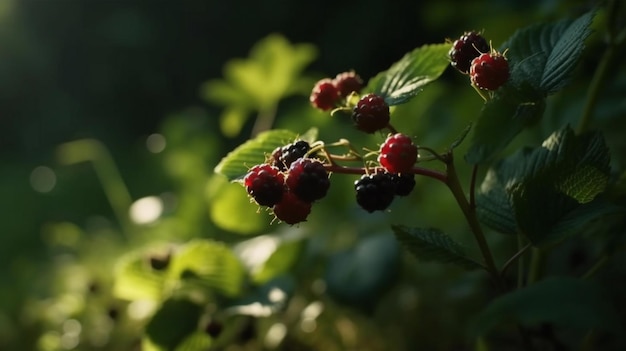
<point x="371" y="113"/>
<point x="265" y="184"/>
<point x="307" y="179"/>
<point x="348" y="82"/>
<point x="398" y="153"/>
<point x="489" y="71"/>
<point x="375" y="192"/>
<point x="324" y="95"/>
<point x="283" y="157"/>
<point x="291" y="209"/>
<point x="469" y="46"/>
<point x="404" y="183"/>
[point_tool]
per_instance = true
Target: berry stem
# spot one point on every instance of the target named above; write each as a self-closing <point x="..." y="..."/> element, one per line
<point x="362" y="170"/>
<point x="453" y="183"/>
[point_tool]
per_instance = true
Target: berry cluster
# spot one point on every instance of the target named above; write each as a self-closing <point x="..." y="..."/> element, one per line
<point x="289" y="182"/>
<point x="487" y="68"/>
<point x="328" y="93"/>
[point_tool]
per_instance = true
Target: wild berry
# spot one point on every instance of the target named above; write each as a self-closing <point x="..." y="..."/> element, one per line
<point x="291" y="209"/>
<point x="469" y="46"/>
<point x="397" y="153"/>
<point x="489" y="71"/>
<point x="307" y="179"/>
<point x="404" y="183"/>
<point x="348" y="82"/>
<point x="375" y="192"/>
<point x="265" y="183"/>
<point x="324" y="95"/>
<point x="371" y="113"/>
<point x="282" y="157"/>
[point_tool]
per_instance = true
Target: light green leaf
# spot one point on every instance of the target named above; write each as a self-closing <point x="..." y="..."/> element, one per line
<point x="211" y="264"/>
<point x="198" y="341"/>
<point x="136" y="280"/>
<point x="562" y="301"/>
<point x="233" y="119"/>
<point x="405" y="78"/>
<point x="176" y="320"/>
<point x="429" y="244"/>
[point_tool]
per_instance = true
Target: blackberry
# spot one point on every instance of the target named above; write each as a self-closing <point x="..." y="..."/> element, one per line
<point x="398" y="153"/>
<point x="469" y="46"/>
<point x="283" y="157"/>
<point x="291" y="209"/>
<point x="348" y="82"/>
<point x="371" y="113"/>
<point x="307" y="179"/>
<point x="375" y="192"/>
<point x="265" y="183"/>
<point x="404" y="183"/>
<point x="489" y="71"/>
<point x="324" y="95"/>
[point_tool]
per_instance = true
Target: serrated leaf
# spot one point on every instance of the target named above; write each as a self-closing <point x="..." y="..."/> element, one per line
<point x="176" y="320"/>
<point x="493" y="207"/>
<point x="544" y="55"/>
<point x="136" y="280"/>
<point x="405" y="78"/>
<point x="562" y="301"/>
<point x="429" y="244"/>
<point x="236" y="164"/>
<point x="211" y="264"/>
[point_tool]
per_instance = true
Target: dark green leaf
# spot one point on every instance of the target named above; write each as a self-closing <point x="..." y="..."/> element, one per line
<point x="429" y="244"/>
<point x="172" y="323"/>
<point x="493" y="206"/>
<point x="562" y="301"/>
<point x="236" y="164"/>
<point x="405" y="78"/>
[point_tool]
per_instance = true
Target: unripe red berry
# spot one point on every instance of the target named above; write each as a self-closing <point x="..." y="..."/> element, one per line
<point x="398" y="154"/>
<point x="324" y="95"/>
<point x="291" y="209"/>
<point x="348" y="82"/>
<point x="265" y="184"/>
<point x="489" y="71"/>
<point x="371" y="113"/>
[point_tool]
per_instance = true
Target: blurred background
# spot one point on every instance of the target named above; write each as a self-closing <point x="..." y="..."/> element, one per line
<point x="111" y="125"/>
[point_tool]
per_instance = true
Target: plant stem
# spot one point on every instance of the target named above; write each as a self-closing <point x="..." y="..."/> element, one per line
<point x="455" y="187"/>
<point x="596" y="267"/>
<point x="513" y="258"/>
<point x="360" y="170"/>
<point x="536" y="261"/>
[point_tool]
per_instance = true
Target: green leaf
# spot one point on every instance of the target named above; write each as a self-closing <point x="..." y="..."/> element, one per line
<point x="211" y="264"/>
<point x="269" y="256"/>
<point x="493" y="207"/>
<point x="232" y="120"/>
<point x="544" y="55"/>
<point x="264" y="300"/>
<point x="562" y="301"/>
<point x="176" y="320"/>
<point x="136" y="280"/>
<point x="236" y="164"/>
<point x="405" y="78"/>
<point x="198" y="341"/>
<point x="429" y="244"/>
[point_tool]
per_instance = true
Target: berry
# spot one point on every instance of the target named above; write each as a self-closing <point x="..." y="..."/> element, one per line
<point x="291" y="209"/>
<point x="404" y="183"/>
<point x="469" y="46"/>
<point x="265" y="184"/>
<point x="324" y="95"/>
<point x="348" y="82"/>
<point x="371" y="113"/>
<point x="489" y="71"/>
<point x="375" y="192"/>
<point x="307" y="179"/>
<point x="398" y="153"/>
<point x="283" y="157"/>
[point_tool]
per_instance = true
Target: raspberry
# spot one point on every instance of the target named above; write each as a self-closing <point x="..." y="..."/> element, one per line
<point x="282" y="157"/>
<point x="469" y="46"/>
<point x="265" y="184"/>
<point x="404" y="183"/>
<point x="307" y="179"/>
<point x="398" y="153"/>
<point x="291" y="209"/>
<point x="371" y="113"/>
<point x="324" y="95"/>
<point x="375" y="192"/>
<point x="489" y="71"/>
<point x="348" y="82"/>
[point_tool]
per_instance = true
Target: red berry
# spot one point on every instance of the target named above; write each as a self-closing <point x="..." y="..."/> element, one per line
<point x="375" y="192"/>
<point x="265" y="184"/>
<point x="489" y="71"/>
<point x="324" y="95"/>
<point x="398" y="154"/>
<point x="469" y="46"/>
<point x="291" y="209"/>
<point x="371" y="113"/>
<point x="348" y="82"/>
<point x="307" y="179"/>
